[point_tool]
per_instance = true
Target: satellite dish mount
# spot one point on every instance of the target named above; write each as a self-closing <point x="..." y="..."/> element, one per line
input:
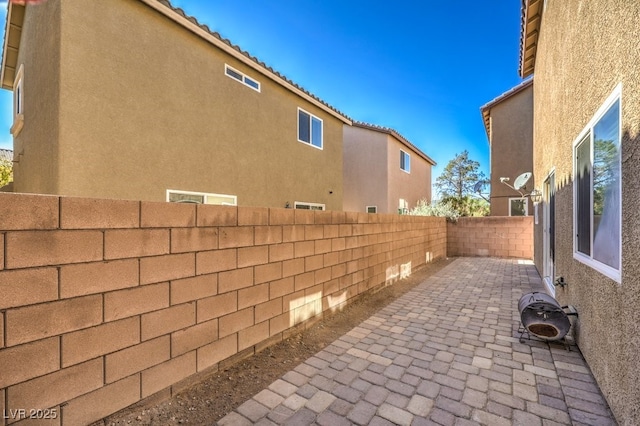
<point x="519" y="183"/>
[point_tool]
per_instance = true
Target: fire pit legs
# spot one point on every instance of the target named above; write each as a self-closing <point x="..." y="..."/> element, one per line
<point x="542" y="316"/>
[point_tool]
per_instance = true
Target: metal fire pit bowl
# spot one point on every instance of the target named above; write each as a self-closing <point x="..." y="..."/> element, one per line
<point x="542" y="316"/>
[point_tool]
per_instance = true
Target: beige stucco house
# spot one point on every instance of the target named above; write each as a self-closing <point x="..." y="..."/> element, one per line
<point x="6" y="157"/>
<point x="135" y="100"/>
<point x="585" y="58"/>
<point x="383" y="171"/>
<point x="508" y="121"/>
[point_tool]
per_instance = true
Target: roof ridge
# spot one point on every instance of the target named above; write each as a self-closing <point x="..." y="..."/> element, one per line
<point x="378" y="127"/>
<point x="512" y="91"/>
<point x="395" y="133"/>
<point x="217" y="35"/>
<point x="486" y="108"/>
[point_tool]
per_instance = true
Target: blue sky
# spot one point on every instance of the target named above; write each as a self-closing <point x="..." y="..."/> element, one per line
<point x="421" y="67"/>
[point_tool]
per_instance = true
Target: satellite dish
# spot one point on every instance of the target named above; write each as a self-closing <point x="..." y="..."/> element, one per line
<point x="521" y="180"/>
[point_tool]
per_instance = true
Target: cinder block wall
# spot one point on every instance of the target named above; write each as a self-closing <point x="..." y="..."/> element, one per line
<point x="106" y="302"/>
<point x="495" y="236"/>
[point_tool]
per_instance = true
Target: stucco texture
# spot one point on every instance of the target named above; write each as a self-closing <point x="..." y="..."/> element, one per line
<point x="36" y="145"/>
<point x="365" y="171"/>
<point x="511" y="143"/>
<point x="412" y="186"/>
<point x="145" y="106"/>
<point x="587" y="48"/>
<point x="372" y="174"/>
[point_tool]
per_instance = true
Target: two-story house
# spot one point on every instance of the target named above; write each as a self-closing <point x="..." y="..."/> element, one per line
<point x="383" y="171"/>
<point x="586" y="111"/>
<point x="6" y="154"/>
<point x="136" y="100"/>
<point x="508" y="121"/>
<point x="6" y="159"/>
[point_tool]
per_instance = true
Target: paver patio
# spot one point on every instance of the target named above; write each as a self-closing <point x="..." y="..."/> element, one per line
<point x="447" y="352"/>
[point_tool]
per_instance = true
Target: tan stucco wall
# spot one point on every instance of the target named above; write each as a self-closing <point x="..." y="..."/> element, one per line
<point x="365" y="174"/>
<point x="412" y="186"/>
<point x="585" y="49"/>
<point x="146" y="106"/>
<point x="372" y="174"/>
<point x="36" y="145"/>
<point x="511" y="148"/>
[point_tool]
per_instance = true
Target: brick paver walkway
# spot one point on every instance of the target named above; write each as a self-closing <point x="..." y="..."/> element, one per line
<point x="445" y="353"/>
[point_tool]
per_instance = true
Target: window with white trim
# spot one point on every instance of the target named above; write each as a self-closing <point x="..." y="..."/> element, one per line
<point x="405" y="161"/>
<point x="174" y="196"/>
<point x="18" y="102"/>
<point x="372" y="209"/>
<point x="309" y="129"/>
<point x="241" y="77"/>
<point x="518" y="207"/>
<point x="403" y="206"/>
<point x="597" y="191"/>
<point x="308" y="206"/>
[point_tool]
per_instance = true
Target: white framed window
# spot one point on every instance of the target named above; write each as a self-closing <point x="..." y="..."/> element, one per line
<point x="403" y="206"/>
<point x="241" y="77"/>
<point x="175" y="196"/>
<point x="518" y="207"/>
<point x="18" y="102"/>
<point x="597" y="190"/>
<point x="308" y="206"/>
<point x="309" y="129"/>
<point x="372" y="209"/>
<point x="405" y="161"/>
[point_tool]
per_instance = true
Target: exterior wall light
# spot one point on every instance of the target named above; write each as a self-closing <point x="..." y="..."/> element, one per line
<point x="536" y="197"/>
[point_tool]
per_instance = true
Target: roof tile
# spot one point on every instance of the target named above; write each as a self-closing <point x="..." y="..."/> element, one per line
<point x="217" y="35"/>
<point x="6" y="154"/>
<point x="397" y="135"/>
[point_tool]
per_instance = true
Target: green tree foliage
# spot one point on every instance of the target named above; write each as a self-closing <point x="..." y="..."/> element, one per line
<point x="6" y="172"/>
<point x="459" y="176"/>
<point x="605" y="171"/>
<point x="456" y="183"/>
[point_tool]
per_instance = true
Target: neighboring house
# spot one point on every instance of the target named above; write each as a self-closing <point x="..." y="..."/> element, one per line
<point x="585" y="58"/>
<point x="383" y="171"/>
<point x="6" y="155"/>
<point x="508" y="120"/>
<point x="135" y="100"/>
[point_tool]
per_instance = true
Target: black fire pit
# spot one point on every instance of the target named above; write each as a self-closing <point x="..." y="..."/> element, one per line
<point x="542" y="316"/>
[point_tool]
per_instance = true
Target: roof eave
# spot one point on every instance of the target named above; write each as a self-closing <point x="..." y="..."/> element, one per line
<point x="531" y="17"/>
<point x="486" y="118"/>
<point x="398" y="136"/>
<point x="486" y="108"/>
<point x="13" y="29"/>
<point x="11" y="44"/>
<point x="165" y="8"/>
